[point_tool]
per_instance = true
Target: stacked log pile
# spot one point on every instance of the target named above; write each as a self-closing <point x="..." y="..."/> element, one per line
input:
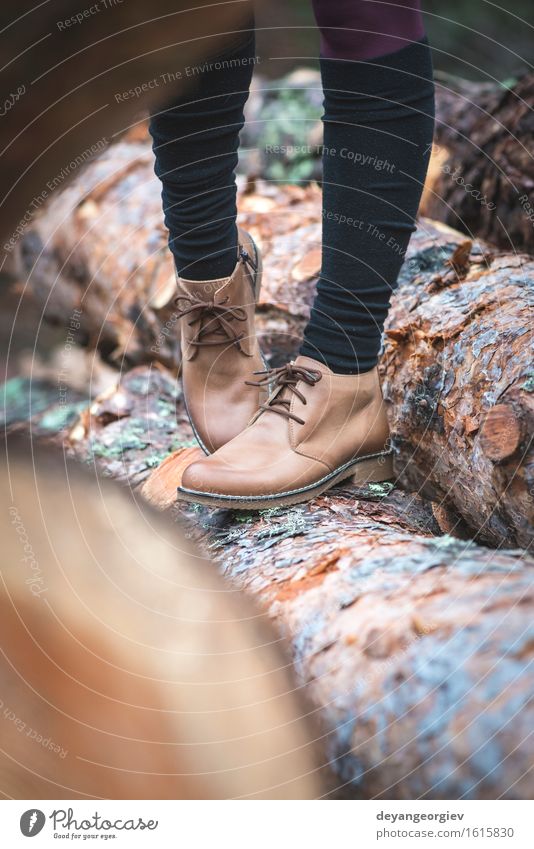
<point x="415" y="646"/>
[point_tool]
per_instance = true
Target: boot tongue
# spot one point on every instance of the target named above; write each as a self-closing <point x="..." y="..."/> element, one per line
<point x="311" y="365"/>
<point x="205" y="290"/>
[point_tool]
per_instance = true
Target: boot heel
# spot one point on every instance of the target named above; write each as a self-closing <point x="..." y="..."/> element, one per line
<point x="373" y="470"/>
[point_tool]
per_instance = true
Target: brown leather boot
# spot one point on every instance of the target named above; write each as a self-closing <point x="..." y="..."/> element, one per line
<point x="315" y="429"/>
<point x="219" y="348"/>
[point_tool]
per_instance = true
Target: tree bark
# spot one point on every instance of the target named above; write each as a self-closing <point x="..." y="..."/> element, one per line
<point x="481" y="176"/>
<point x="413" y="647"/>
<point x="100" y="254"/>
<point x="458" y="380"/>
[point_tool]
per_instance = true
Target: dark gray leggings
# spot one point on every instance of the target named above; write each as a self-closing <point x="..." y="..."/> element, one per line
<point x="378" y="97"/>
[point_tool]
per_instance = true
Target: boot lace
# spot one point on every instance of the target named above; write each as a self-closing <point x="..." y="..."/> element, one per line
<point x="211" y="318"/>
<point x="285" y="377"/>
<point x="214" y="318"/>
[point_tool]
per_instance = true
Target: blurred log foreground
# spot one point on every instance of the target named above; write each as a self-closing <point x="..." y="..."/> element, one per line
<point x="457" y="365"/>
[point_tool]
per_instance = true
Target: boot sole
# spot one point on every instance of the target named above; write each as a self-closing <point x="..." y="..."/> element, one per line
<point x="257" y="289"/>
<point x="372" y="468"/>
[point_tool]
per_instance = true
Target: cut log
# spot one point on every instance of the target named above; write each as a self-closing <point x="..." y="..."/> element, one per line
<point x="458" y="341"/>
<point x="481" y="176"/>
<point x="502" y="432"/>
<point x="130" y="669"/>
<point x="415" y="649"/>
<point x="458" y="380"/>
<point x="78" y="260"/>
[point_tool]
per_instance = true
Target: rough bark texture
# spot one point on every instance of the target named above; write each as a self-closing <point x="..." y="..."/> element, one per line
<point x="458" y="341"/>
<point x="415" y="649"/>
<point x="458" y="378"/>
<point x="481" y="179"/>
<point x="101" y="250"/>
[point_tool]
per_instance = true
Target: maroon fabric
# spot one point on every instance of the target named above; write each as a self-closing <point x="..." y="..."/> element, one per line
<point x="366" y="29"/>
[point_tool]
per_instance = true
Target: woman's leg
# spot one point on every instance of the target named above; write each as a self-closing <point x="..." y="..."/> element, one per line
<point x="325" y="419"/>
<point x="218" y="269"/>
<point x="195" y="142"/>
<point x="378" y="126"/>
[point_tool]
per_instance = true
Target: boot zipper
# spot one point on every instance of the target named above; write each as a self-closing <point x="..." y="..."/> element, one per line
<point x="245" y="256"/>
